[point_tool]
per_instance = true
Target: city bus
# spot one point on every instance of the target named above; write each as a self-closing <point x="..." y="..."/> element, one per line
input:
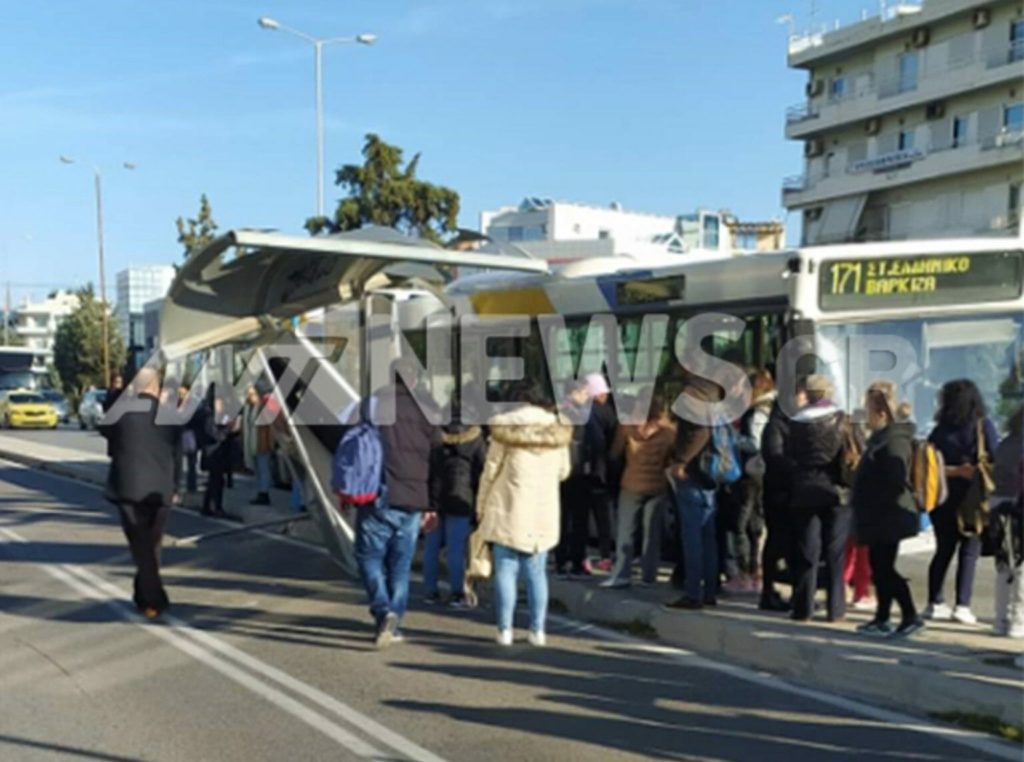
<point x="924" y="311"/>
<point x="299" y="310"/>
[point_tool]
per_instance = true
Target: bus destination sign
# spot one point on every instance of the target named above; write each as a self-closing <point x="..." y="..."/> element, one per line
<point x="921" y="281"/>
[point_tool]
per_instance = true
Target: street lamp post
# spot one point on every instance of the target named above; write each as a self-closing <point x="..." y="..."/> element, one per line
<point x="104" y="317"/>
<point x="318" y="44"/>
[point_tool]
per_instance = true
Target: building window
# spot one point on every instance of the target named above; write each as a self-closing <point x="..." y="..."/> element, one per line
<point x="837" y="90"/>
<point x="604" y="234"/>
<point x="1013" y="205"/>
<point x="1013" y="117"/>
<point x="1017" y="40"/>
<point x="515" y="233"/>
<point x="908" y="66"/>
<point x="906" y="141"/>
<point x="959" y="131"/>
<point x="711" y="231"/>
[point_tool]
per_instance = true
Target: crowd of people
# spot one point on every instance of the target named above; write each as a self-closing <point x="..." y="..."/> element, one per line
<point x="816" y="499"/>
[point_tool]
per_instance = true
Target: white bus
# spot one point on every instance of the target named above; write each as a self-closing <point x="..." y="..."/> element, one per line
<point x="928" y="311"/>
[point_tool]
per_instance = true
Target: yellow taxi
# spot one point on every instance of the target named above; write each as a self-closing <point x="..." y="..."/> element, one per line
<point x="27" y="410"/>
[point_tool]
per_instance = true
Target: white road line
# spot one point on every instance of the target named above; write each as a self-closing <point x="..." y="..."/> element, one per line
<point x="205" y="648"/>
<point x="897" y="721"/>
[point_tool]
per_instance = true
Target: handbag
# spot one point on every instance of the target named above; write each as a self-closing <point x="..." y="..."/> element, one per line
<point x="481" y="564"/>
<point x="972" y="514"/>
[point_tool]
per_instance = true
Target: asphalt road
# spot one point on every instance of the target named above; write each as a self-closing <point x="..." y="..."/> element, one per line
<point x="268" y="656"/>
<point x="913" y="564"/>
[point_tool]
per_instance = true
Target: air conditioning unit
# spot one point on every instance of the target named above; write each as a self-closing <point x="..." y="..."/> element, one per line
<point x="873" y="126"/>
<point x="982" y="18"/>
<point x="814" y="147"/>
<point x="935" y="110"/>
<point x="815" y="88"/>
<point x="921" y="37"/>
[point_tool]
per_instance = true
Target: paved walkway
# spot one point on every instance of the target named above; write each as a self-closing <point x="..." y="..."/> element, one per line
<point x="949" y="667"/>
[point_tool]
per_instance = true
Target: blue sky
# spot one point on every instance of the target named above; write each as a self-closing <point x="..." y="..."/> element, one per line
<point x="662" y="105"/>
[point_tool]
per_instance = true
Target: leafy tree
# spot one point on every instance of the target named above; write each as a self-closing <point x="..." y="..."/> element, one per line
<point x="197" y="232"/>
<point x="380" y="191"/>
<point x="78" y="346"/>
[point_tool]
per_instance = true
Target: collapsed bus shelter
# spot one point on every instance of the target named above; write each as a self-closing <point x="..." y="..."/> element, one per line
<point x="244" y="300"/>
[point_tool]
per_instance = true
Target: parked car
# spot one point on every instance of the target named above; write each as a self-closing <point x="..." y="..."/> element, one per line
<point x="27" y="410"/>
<point x="59" y="402"/>
<point x="90" y="410"/>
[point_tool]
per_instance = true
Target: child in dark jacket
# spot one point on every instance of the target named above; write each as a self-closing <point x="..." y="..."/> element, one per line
<point x="454" y="479"/>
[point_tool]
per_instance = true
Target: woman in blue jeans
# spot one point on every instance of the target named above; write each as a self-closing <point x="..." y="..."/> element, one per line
<point x="696" y="505"/>
<point x="518" y="507"/>
<point x="454" y="479"/>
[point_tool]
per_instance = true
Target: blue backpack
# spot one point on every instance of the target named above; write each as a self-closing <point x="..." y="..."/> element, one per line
<point x="357" y="474"/>
<point x="720" y="462"/>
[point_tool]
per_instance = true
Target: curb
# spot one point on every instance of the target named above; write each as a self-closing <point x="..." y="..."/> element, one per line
<point x="819" y="656"/>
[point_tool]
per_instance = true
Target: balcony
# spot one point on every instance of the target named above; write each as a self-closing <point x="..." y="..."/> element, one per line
<point x="979" y="69"/>
<point x="904" y="167"/>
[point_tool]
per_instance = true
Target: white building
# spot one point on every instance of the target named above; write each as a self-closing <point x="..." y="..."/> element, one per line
<point x="562" y="231"/>
<point x="36" y="323"/>
<point x="136" y="286"/>
<point x="913" y="125"/>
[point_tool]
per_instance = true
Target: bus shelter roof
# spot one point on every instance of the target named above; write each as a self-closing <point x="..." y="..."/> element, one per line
<point x="216" y="298"/>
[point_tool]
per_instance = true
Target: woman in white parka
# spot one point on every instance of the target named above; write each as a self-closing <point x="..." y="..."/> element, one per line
<point x="518" y="506"/>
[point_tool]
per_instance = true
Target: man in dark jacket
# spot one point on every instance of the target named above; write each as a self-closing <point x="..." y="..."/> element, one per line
<point x="141" y="484"/>
<point x="386" y="531"/>
<point x="820" y="519"/>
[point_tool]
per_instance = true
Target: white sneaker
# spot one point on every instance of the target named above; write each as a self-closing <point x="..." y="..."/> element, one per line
<point x="537" y="639"/>
<point x="963" y="615"/>
<point x="865" y="604"/>
<point x="504" y="638"/>
<point x="938" y="611"/>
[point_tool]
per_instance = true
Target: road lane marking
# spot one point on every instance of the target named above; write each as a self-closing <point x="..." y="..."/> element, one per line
<point x="899" y="721"/>
<point x="213" y="652"/>
<point x="895" y="720"/>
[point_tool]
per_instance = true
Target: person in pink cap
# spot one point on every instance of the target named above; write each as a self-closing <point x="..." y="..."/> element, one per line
<point x="599" y="433"/>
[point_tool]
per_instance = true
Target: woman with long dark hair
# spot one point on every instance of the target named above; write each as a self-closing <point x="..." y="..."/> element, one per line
<point x="961" y="423"/>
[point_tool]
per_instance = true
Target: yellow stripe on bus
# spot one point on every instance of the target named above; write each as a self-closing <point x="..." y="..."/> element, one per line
<point x="523" y="301"/>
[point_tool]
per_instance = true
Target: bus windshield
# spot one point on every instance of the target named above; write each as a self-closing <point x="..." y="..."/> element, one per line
<point x="988" y="350"/>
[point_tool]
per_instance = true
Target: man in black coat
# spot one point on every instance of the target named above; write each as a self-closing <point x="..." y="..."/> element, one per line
<point x="387" y="530"/>
<point x="141" y="483"/>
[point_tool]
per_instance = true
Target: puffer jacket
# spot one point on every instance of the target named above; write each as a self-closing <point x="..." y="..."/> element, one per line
<point x="883" y="503"/>
<point x="815" y="447"/>
<point x="456" y="468"/>
<point x="647" y="456"/>
<point x="527" y="459"/>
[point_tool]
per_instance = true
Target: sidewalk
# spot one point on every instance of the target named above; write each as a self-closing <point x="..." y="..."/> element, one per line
<point x="948" y="668"/>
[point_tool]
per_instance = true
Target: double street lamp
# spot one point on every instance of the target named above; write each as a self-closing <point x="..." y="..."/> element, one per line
<point x="104" y="317"/>
<point x="318" y="44"/>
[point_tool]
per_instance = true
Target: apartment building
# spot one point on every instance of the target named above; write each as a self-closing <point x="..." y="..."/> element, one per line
<point x="559" y="230"/>
<point x="913" y="124"/>
<point x="36" y="323"/>
<point x="137" y="286"/>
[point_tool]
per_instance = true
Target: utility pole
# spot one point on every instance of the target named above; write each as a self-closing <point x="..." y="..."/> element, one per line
<point x="104" y="317"/>
<point x="7" y="315"/>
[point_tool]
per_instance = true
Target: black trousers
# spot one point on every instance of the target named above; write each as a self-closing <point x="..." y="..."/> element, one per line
<point x="214" y="497"/>
<point x="740" y="525"/>
<point x="144" y="527"/>
<point x="778" y="544"/>
<point x="821" y="533"/>
<point x="948" y="543"/>
<point x="889" y="585"/>
<point x="598" y="503"/>
<point x="572" y="545"/>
